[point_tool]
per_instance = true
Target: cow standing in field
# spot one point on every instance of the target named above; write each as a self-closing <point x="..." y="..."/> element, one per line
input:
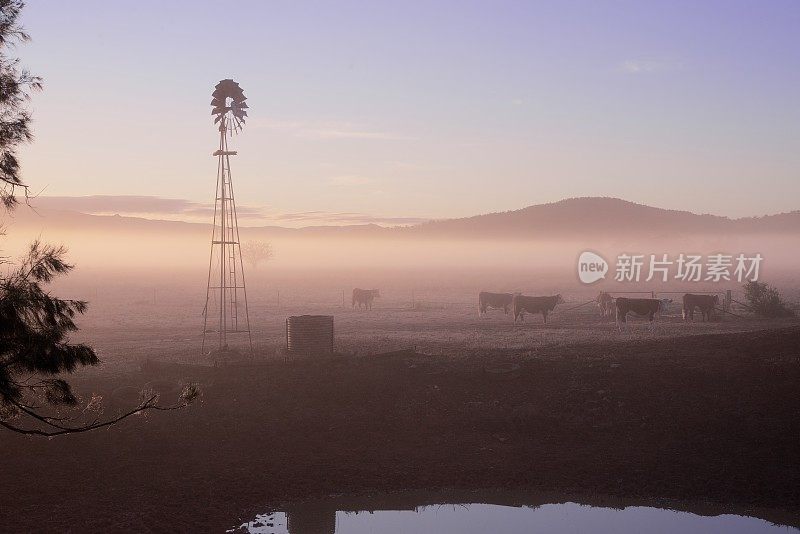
<point x="706" y="304"/>
<point x="495" y="301"/>
<point x="606" y="304"/>
<point x="365" y="297"/>
<point x="521" y="304"/>
<point x="642" y="307"/>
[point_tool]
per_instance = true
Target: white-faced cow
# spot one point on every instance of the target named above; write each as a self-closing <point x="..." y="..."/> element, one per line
<point x="365" y="297"/>
<point x="606" y="304"/>
<point x="706" y="304"/>
<point x="642" y="307"/>
<point x="544" y="305"/>
<point x="497" y="301"/>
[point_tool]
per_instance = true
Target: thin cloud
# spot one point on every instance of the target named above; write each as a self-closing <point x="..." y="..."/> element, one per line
<point x="349" y="180"/>
<point x="137" y="205"/>
<point x="114" y="204"/>
<point x="642" y="66"/>
<point x="345" y="218"/>
<point x="186" y="210"/>
<point x="331" y="130"/>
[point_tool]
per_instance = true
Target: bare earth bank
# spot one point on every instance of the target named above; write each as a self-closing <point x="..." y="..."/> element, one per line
<point x="703" y="419"/>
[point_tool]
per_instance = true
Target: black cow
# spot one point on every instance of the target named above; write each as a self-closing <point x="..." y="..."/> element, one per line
<point x="487" y="300"/>
<point x="521" y="304"/>
<point x="706" y="304"/>
<point x="643" y="307"/>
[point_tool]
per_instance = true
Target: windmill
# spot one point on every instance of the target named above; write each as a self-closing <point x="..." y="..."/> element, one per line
<point x="225" y="268"/>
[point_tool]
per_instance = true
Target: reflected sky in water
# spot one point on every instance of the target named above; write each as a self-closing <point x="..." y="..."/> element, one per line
<point x="486" y="518"/>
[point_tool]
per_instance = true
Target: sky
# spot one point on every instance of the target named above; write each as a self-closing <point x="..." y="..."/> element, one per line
<point x="398" y="111"/>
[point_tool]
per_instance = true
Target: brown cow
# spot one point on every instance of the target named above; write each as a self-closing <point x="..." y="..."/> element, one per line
<point x="496" y="301"/>
<point x="643" y="307"/>
<point x="521" y="304"/>
<point x="365" y="297"/>
<point x="706" y="304"/>
<point x="606" y="304"/>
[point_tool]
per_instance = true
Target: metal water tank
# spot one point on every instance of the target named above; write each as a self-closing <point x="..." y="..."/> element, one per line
<point x="309" y="334"/>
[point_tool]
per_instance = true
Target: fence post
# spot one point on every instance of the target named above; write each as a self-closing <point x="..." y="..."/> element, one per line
<point x="653" y="294"/>
<point x="726" y="305"/>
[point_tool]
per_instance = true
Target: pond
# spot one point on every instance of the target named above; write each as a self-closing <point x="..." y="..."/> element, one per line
<point x="487" y="518"/>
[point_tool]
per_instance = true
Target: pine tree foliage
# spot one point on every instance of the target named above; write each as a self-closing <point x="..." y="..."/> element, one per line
<point x="16" y="86"/>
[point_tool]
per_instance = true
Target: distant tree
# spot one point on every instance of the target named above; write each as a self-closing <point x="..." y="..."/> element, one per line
<point x="254" y="252"/>
<point x="34" y="325"/>
<point x="765" y="300"/>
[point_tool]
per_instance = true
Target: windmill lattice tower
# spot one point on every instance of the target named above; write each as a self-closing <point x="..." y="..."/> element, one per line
<point x="226" y="294"/>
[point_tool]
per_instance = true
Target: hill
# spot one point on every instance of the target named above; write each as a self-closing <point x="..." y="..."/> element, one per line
<point x="587" y="217"/>
<point x="602" y="217"/>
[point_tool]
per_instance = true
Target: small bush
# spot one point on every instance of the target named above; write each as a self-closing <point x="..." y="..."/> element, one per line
<point x="765" y="300"/>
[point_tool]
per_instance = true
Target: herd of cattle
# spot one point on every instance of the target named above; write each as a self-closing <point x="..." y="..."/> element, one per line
<point x="618" y="307"/>
<point x="610" y="306"/>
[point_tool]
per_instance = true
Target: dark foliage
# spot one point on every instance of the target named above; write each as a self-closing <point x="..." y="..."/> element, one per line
<point x="765" y="300"/>
<point x="34" y="326"/>
<point x="16" y="86"/>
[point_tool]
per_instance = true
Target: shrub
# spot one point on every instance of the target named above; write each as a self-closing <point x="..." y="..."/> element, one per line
<point x="765" y="300"/>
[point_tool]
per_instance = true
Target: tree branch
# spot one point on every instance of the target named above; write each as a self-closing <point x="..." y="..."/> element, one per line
<point x="61" y="430"/>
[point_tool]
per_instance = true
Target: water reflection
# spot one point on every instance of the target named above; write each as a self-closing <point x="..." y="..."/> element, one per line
<point x="339" y="516"/>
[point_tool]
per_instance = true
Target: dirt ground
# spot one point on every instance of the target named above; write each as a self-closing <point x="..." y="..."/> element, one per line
<point x="709" y="418"/>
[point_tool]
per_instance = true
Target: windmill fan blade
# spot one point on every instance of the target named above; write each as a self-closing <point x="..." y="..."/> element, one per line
<point x="224" y="90"/>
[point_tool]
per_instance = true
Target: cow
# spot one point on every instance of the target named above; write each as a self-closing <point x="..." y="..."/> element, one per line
<point x="365" y="297"/>
<point x="706" y="304"/>
<point x="495" y="301"/>
<point x="521" y="304"/>
<point x="606" y="304"/>
<point x="642" y="307"/>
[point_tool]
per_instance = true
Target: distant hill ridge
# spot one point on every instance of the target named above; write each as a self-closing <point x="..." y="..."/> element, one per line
<point x="603" y="216"/>
<point x="578" y="217"/>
